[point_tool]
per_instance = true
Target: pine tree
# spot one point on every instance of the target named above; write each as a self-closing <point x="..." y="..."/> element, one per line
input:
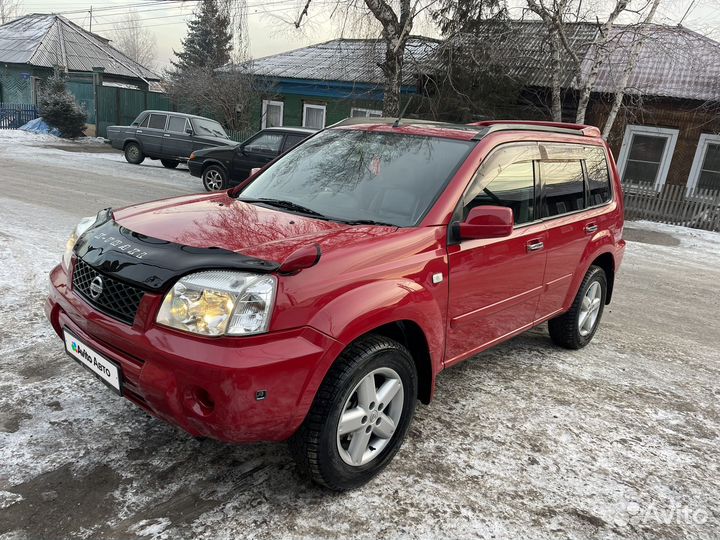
<point x="59" y="109"/>
<point x="209" y="40"/>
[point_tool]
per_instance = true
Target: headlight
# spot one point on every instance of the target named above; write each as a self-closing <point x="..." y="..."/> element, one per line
<point x="220" y="302"/>
<point x="80" y="228"/>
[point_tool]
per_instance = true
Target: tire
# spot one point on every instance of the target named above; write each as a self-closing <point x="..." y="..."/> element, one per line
<point x="566" y="330"/>
<point x="214" y="178"/>
<point x="134" y="154"/>
<point x="169" y="163"/>
<point x="322" y="453"/>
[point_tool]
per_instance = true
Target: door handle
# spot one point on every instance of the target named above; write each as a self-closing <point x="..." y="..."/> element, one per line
<point x="139" y="131"/>
<point x="591" y="228"/>
<point x="535" y="245"/>
<point x="166" y="135"/>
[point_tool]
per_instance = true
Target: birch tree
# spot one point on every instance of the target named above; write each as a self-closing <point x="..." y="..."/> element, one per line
<point x="9" y="9"/>
<point x="134" y="40"/>
<point x="633" y="57"/>
<point x="396" y="20"/>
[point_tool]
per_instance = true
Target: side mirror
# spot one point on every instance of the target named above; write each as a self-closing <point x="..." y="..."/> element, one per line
<point x="189" y="131"/>
<point x="255" y="170"/>
<point x="486" y="222"/>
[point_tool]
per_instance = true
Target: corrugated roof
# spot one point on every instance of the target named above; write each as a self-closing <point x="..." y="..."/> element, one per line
<point x="347" y="60"/>
<point x="673" y="62"/>
<point x="50" y="40"/>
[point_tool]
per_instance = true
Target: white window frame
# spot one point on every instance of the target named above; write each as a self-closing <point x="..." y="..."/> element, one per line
<point x="307" y="106"/>
<point x="366" y="112"/>
<point x="265" y="103"/>
<point x="694" y="177"/>
<point x="669" y="133"/>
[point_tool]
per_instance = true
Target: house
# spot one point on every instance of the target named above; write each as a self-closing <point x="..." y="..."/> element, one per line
<point x="319" y="85"/>
<point x="32" y="45"/>
<point x="667" y="133"/>
<point x="111" y="87"/>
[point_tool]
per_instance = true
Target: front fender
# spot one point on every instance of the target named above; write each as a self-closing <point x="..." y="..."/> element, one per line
<point x="371" y="305"/>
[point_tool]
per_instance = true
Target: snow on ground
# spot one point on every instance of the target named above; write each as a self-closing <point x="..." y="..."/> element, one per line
<point x="619" y="440"/>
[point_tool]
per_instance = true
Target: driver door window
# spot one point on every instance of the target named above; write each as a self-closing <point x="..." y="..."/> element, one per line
<point x="267" y="143"/>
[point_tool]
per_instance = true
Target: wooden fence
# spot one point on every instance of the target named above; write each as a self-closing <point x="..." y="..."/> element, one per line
<point x="676" y="205"/>
<point x="15" y="115"/>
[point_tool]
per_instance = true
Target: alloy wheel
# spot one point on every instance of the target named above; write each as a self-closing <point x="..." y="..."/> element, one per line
<point x="370" y="416"/>
<point x="590" y="308"/>
<point x="213" y="180"/>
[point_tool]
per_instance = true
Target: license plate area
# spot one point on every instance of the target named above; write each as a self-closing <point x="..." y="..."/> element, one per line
<point x="105" y="370"/>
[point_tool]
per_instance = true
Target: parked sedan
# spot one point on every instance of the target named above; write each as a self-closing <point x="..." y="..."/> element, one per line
<point x="167" y="136"/>
<point x="223" y="167"/>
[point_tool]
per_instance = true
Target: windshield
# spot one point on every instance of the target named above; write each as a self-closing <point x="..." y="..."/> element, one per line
<point x="352" y="175"/>
<point x="203" y="126"/>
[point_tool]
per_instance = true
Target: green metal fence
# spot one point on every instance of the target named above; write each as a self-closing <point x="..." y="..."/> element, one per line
<point x="120" y="106"/>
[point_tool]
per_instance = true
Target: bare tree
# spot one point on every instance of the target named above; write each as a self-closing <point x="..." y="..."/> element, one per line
<point x="134" y="40"/>
<point x="556" y="16"/>
<point x="633" y="57"/>
<point x="396" y="19"/>
<point x="9" y="9"/>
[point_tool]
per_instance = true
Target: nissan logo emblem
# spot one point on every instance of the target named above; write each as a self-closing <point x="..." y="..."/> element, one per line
<point x="96" y="287"/>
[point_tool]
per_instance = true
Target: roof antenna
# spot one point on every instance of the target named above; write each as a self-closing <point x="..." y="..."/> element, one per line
<point x="396" y="123"/>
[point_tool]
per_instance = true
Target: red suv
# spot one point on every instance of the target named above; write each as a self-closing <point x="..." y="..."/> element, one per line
<point x="318" y="300"/>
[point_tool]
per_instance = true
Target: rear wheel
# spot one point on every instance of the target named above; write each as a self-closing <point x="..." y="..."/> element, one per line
<point x="214" y="178"/>
<point x="169" y="163"/>
<point x="134" y="154"/>
<point x="576" y="328"/>
<point x="360" y="415"/>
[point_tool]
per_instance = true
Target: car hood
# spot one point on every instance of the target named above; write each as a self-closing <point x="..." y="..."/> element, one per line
<point x="218" y="221"/>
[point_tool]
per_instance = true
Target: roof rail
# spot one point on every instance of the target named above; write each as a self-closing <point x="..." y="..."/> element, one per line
<point x="351" y="121"/>
<point x="557" y="127"/>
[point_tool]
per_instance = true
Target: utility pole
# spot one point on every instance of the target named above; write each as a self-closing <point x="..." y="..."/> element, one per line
<point x="91" y="18"/>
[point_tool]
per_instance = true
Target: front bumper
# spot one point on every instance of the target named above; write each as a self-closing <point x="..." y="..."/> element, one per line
<point x="195" y="167"/>
<point x="206" y="386"/>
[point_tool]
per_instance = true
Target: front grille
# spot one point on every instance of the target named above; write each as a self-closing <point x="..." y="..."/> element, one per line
<point x="117" y="299"/>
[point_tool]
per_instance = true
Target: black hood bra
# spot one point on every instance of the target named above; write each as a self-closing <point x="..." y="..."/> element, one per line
<point x="150" y="263"/>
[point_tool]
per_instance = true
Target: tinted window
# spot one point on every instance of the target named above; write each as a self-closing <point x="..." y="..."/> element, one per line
<point x="177" y="124"/>
<point x="293" y="140"/>
<point x="157" y="121"/>
<point x="598" y="177"/>
<point x="506" y="178"/>
<point x="563" y="186"/>
<point x="360" y="175"/>
<point x="267" y="143"/>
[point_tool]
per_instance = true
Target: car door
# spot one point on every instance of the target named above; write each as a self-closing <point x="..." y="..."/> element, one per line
<point x="177" y="142"/>
<point x="151" y="137"/>
<point x="256" y="152"/>
<point x="570" y="226"/>
<point x="495" y="284"/>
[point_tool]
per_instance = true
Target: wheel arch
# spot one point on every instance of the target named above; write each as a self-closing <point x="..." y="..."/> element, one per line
<point x="606" y="261"/>
<point x="209" y="162"/>
<point x="133" y="140"/>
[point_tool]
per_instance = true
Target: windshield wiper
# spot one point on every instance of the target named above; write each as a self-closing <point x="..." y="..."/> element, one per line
<point x="366" y="222"/>
<point x="287" y="205"/>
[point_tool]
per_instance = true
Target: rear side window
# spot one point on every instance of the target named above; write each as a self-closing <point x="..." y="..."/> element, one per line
<point x="598" y="177"/>
<point x="177" y="124"/>
<point x="157" y="121"/>
<point x="267" y="143"/>
<point x="292" y="140"/>
<point x="564" y="184"/>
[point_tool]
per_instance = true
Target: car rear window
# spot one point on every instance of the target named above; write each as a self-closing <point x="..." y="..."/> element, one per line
<point x="361" y="175"/>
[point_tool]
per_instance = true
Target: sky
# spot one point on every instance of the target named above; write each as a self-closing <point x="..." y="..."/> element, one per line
<point x="270" y="22"/>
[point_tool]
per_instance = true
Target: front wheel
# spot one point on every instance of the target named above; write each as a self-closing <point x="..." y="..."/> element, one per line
<point x="169" y="163"/>
<point x="360" y="415"/>
<point x="214" y="178"/>
<point x="575" y="328"/>
<point x="134" y="154"/>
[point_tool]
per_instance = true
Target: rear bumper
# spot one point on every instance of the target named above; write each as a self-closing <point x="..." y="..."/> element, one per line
<point x="195" y="167"/>
<point x="208" y="387"/>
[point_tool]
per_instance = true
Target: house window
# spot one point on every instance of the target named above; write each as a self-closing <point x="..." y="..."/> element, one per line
<point x="313" y="116"/>
<point x="705" y="171"/>
<point x="357" y="112"/>
<point x="645" y="155"/>
<point x="272" y="113"/>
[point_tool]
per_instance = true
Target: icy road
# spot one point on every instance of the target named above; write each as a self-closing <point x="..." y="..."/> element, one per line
<point x="619" y="440"/>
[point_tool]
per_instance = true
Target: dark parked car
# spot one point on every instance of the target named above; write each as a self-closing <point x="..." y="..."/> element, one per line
<point x="167" y="136"/>
<point x="223" y="167"/>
